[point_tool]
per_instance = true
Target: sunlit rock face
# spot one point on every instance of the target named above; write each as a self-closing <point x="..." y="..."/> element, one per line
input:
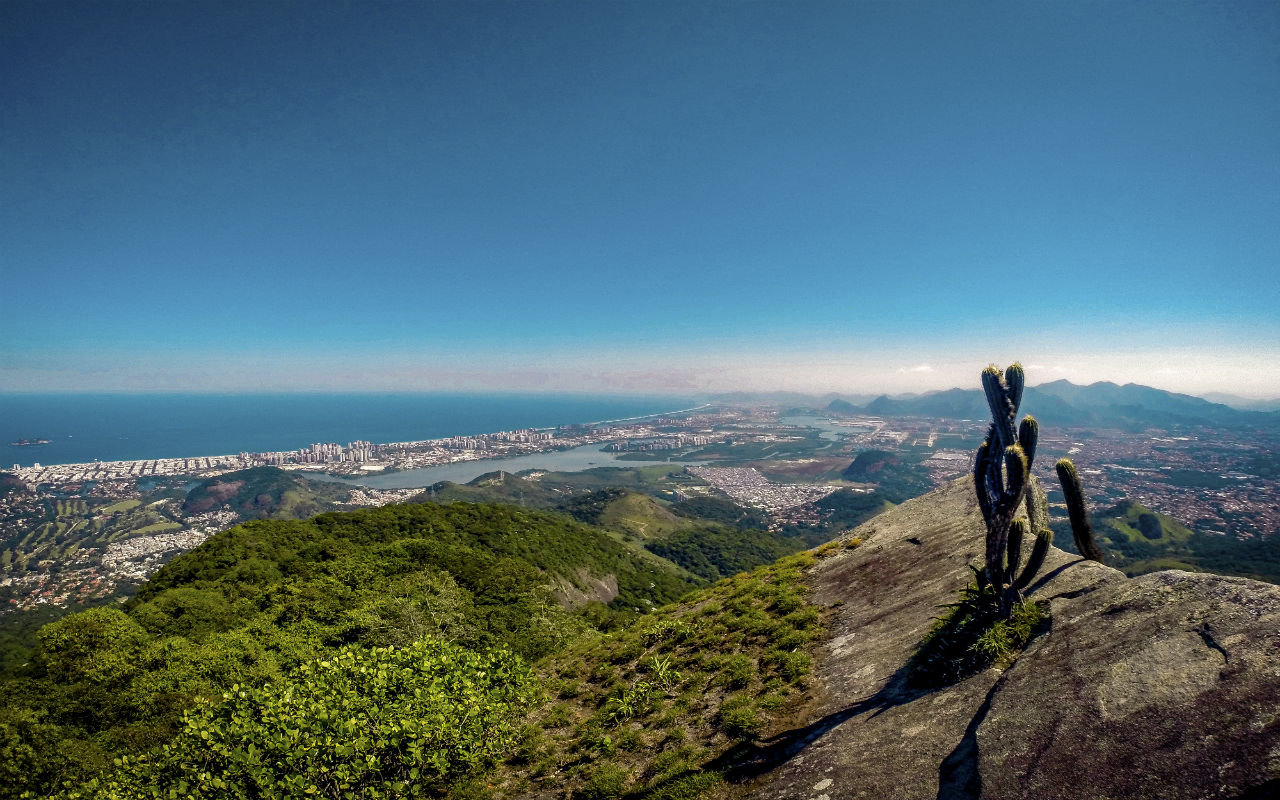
<point x="1164" y="686"/>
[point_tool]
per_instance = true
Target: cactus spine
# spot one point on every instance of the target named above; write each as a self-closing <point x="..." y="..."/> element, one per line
<point x="1003" y="482"/>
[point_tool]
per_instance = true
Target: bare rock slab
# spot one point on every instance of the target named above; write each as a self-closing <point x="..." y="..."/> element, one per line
<point x="1165" y="686"/>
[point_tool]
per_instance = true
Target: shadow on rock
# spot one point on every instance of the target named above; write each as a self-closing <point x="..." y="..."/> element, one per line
<point x="958" y="774"/>
<point x="751" y="759"/>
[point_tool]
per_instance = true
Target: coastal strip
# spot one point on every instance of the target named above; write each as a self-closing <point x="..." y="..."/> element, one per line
<point x="362" y="458"/>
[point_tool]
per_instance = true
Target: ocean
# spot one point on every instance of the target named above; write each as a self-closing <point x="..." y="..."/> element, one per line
<point x="121" y="427"/>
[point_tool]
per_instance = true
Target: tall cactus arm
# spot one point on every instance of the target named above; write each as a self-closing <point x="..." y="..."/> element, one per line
<point x="1015" y="379"/>
<point x="1037" y="505"/>
<point x="1016" y="470"/>
<point x="1028" y="436"/>
<point x="980" y="466"/>
<point x="1018" y="530"/>
<point x="1002" y="413"/>
<point x="1004" y="506"/>
<point x="1080" y="527"/>
<point x="1038" y="521"/>
<point x="1039" y="550"/>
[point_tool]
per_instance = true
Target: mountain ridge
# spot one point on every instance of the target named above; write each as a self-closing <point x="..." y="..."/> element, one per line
<point x="1101" y="403"/>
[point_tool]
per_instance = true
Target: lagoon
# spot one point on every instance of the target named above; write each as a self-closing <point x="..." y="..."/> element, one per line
<point x="587" y="456"/>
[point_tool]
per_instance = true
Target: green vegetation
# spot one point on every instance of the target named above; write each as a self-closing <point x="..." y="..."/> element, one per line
<point x="845" y="509"/>
<point x="262" y="493"/>
<point x="590" y="507"/>
<point x="1253" y="558"/>
<point x="721" y="510"/>
<point x="57" y="528"/>
<point x="897" y="476"/>
<point x="158" y="527"/>
<point x="496" y="487"/>
<point x="1127" y="533"/>
<point x="650" y="712"/>
<point x="972" y="637"/>
<point x="713" y="552"/>
<point x="361" y="723"/>
<point x="706" y="549"/>
<point x="806" y="443"/>
<point x="1197" y="479"/>
<point x="11" y="484"/>
<point x="257" y="603"/>
<point x="383" y="653"/>
<point x="123" y="505"/>
<point x="1128" y="522"/>
<point x="632" y="513"/>
<point x="537" y="489"/>
<point x="498" y="556"/>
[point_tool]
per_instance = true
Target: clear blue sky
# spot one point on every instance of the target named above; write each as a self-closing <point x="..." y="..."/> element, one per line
<point x="856" y="196"/>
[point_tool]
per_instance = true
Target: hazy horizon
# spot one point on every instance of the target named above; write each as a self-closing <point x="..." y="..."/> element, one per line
<point x="637" y="198"/>
<point x="699" y="395"/>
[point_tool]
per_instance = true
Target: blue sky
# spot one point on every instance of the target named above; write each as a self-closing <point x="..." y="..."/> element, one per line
<point x="652" y="196"/>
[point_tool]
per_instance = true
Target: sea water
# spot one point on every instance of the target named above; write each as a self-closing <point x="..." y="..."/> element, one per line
<point x="121" y="427"/>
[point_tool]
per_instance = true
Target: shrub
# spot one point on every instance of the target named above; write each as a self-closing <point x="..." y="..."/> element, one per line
<point x="787" y="601"/>
<point x="358" y="724"/>
<point x="804" y="618"/>
<point x="592" y="738"/>
<point x="629" y="702"/>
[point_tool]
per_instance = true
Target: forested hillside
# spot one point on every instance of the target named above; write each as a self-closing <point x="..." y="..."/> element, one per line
<point x="272" y="626"/>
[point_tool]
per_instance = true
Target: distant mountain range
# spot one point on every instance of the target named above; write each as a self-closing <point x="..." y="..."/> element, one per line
<point x="1244" y="403"/>
<point x="1102" y="404"/>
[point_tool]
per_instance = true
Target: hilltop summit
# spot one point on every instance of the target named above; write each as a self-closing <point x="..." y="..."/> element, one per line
<point x="1161" y="686"/>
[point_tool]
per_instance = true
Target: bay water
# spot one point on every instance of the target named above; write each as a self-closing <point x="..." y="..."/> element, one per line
<point x="121" y="427"/>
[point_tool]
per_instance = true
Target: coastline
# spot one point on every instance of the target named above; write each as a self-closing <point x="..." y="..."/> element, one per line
<point x="411" y="454"/>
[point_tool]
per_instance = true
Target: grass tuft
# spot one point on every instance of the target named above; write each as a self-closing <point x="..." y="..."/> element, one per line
<point x="972" y="637"/>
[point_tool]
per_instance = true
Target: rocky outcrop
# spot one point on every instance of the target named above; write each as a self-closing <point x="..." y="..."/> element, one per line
<point x="585" y="589"/>
<point x="1164" y="686"/>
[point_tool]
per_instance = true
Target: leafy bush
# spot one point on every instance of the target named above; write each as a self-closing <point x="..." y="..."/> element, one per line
<point x="628" y="702"/>
<point x="361" y="723"/>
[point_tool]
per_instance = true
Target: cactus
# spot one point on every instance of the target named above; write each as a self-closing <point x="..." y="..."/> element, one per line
<point x="1003" y="482"/>
<point x="1002" y="475"/>
<point x="1080" y="527"/>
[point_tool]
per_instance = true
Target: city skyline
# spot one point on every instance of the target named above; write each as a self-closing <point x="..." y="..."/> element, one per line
<point x="638" y="198"/>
